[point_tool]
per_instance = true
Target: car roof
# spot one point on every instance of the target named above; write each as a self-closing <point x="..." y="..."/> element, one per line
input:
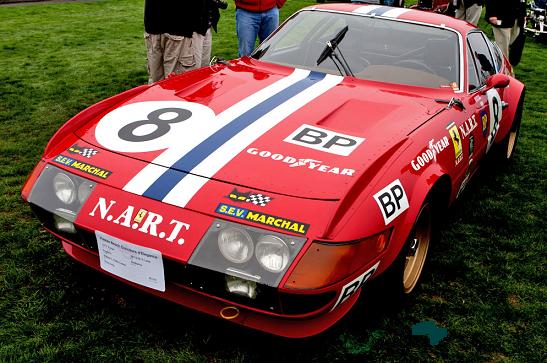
<point x="403" y="14"/>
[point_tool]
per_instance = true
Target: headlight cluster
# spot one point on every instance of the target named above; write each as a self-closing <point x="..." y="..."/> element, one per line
<point x="61" y="193"/>
<point x="245" y="252"/>
<point x="271" y="252"/>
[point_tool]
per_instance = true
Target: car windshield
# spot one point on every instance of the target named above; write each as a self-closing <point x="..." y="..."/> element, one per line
<point x="376" y="49"/>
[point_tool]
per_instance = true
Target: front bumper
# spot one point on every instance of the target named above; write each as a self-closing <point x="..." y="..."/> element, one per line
<point x="291" y="327"/>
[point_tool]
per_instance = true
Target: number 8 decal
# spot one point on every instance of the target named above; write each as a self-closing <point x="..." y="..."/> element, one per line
<point x="155" y="125"/>
<point x="494" y="104"/>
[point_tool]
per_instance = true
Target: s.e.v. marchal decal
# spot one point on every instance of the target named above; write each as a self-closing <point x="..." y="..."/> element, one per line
<point x="83" y="167"/>
<point x="262" y="218"/>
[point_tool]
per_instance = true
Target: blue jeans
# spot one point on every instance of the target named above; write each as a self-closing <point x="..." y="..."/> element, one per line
<point x="249" y="25"/>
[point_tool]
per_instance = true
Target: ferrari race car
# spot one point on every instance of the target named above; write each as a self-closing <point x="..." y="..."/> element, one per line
<point x="267" y="190"/>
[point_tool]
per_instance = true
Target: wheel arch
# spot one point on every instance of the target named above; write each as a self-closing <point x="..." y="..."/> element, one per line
<point x="436" y="184"/>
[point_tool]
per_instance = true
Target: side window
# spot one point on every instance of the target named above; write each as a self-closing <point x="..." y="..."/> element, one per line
<point x="481" y="54"/>
<point x="473" y="78"/>
<point x="496" y="52"/>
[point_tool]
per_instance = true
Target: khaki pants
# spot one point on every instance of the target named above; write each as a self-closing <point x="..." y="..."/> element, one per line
<point x="505" y="37"/>
<point x="202" y="48"/>
<point x="166" y="54"/>
<point x="472" y="14"/>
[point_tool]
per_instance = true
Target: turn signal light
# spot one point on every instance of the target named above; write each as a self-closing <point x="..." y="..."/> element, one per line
<point x="324" y="263"/>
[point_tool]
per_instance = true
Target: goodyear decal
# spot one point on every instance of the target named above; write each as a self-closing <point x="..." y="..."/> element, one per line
<point x="83" y="167"/>
<point x="262" y="218"/>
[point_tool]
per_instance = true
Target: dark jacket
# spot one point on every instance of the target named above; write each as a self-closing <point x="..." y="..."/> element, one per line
<point x="259" y="5"/>
<point x="507" y="11"/>
<point x="208" y="14"/>
<point x="175" y="17"/>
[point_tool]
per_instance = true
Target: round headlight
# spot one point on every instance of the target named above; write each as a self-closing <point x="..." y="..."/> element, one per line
<point x="64" y="188"/>
<point x="235" y="245"/>
<point x="84" y="190"/>
<point x="272" y="253"/>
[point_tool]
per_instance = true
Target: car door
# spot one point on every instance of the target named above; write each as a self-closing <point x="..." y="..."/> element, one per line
<point x="478" y="130"/>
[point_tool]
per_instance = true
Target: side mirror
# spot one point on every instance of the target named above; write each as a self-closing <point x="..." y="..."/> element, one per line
<point x="497" y="81"/>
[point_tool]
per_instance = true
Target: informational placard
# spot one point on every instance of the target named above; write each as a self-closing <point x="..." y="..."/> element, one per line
<point x="141" y="265"/>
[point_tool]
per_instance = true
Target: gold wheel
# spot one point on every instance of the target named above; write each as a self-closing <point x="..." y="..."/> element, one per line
<point x="511" y="142"/>
<point x="417" y="249"/>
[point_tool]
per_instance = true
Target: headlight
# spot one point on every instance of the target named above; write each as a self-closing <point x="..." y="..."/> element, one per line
<point x="246" y="252"/>
<point x="61" y="193"/>
<point x="64" y="188"/>
<point x="272" y="253"/>
<point x="84" y="190"/>
<point x="235" y="245"/>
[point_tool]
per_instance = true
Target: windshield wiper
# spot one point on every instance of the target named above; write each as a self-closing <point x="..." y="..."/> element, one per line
<point x="330" y="52"/>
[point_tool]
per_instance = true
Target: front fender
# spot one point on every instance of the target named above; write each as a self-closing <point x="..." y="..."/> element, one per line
<point x="418" y="188"/>
<point x="512" y="95"/>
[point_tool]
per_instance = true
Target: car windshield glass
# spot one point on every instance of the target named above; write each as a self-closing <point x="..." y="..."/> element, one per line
<point x="376" y="49"/>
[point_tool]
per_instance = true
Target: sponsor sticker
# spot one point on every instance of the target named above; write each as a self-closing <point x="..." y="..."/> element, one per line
<point x="293" y="162"/>
<point x="83" y="151"/>
<point x="484" y="122"/>
<point x="392" y="201"/>
<point x="471" y="145"/>
<point x="353" y="286"/>
<point x="314" y="137"/>
<point x="83" y="167"/>
<point x="141" y="265"/>
<point x="249" y="197"/>
<point x="468" y="126"/>
<point x="430" y="154"/>
<point x="262" y="218"/>
<point x="456" y="141"/>
<point x="146" y="222"/>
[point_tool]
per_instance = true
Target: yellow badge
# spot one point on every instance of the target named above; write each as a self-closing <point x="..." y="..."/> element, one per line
<point x="140" y="215"/>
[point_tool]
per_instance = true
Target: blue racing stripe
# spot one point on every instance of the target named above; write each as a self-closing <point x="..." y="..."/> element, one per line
<point x="167" y="181"/>
<point x="380" y="11"/>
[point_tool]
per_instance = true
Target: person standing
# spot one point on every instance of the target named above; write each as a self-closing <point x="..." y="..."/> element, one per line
<point x="168" y="28"/>
<point x="506" y="18"/>
<point x="206" y="18"/>
<point x="468" y="10"/>
<point x="255" y="18"/>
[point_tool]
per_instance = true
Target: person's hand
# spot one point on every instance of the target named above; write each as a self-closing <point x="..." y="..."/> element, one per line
<point x="493" y="20"/>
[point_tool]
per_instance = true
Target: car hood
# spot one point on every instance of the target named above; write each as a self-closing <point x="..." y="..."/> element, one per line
<point x="256" y="125"/>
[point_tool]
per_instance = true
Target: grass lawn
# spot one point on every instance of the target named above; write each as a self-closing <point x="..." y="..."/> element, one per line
<point x="486" y="281"/>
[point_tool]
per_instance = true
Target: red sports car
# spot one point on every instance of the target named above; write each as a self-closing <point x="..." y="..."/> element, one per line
<point x="267" y="190"/>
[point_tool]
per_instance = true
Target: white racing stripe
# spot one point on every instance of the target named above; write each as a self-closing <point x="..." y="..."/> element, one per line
<point x="367" y="9"/>
<point x="150" y="173"/>
<point x="395" y="13"/>
<point x="184" y="191"/>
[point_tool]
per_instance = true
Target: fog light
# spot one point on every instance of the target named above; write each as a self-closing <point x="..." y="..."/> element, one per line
<point x="64" y="225"/>
<point x="238" y="286"/>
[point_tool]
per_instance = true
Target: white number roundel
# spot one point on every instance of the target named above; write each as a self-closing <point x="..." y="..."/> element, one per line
<point x="496" y="109"/>
<point x="153" y="125"/>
